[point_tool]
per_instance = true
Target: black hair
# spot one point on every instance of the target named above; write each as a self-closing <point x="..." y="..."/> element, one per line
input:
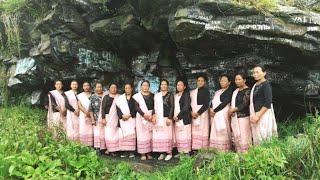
<point x="145" y="81"/>
<point x="86" y="82"/>
<point x="243" y="76"/>
<point x="203" y="76"/>
<point x="55" y="82"/>
<point x="113" y="84"/>
<point x="98" y="83"/>
<point x="73" y="81"/>
<point x="184" y="81"/>
<point x="162" y="80"/>
<point x="263" y="68"/>
<point x="225" y="75"/>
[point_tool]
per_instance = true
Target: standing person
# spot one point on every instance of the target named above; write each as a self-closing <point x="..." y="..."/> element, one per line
<point x="262" y="118"/>
<point x="144" y="124"/>
<point x="85" y="121"/>
<point x="200" y="99"/>
<point x="239" y="113"/>
<point x="110" y="120"/>
<point x="126" y="110"/>
<point x="56" y="110"/>
<point x="162" y="140"/>
<point x="220" y="134"/>
<point x="182" y="118"/>
<point x="95" y="114"/>
<point x="72" y="111"/>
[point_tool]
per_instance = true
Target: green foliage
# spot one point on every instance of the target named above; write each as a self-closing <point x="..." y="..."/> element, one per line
<point x="12" y="6"/>
<point x="27" y="150"/>
<point x="262" y="5"/>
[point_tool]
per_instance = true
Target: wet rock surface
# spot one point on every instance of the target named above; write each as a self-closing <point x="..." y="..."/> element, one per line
<point x="119" y="41"/>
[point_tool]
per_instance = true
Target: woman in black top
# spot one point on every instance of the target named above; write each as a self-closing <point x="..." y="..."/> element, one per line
<point x="126" y="109"/>
<point x="263" y="122"/>
<point x="200" y="99"/>
<point x="220" y="134"/>
<point x="182" y="117"/>
<point x="239" y="112"/>
<point x="162" y="139"/>
<point x="109" y="121"/>
<point x="144" y="120"/>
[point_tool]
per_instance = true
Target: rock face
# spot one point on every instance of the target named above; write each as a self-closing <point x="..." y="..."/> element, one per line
<point x="119" y="41"/>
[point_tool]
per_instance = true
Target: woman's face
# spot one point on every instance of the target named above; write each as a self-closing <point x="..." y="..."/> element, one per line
<point x="74" y="85"/>
<point x="58" y="85"/>
<point x="240" y="82"/>
<point x="180" y="86"/>
<point x="224" y="82"/>
<point x="258" y="74"/>
<point x="164" y="86"/>
<point x="201" y="82"/>
<point x="145" y="87"/>
<point x="86" y="87"/>
<point x="113" y="89"/>
<point x="99" y="88"/>
<point x="128" y="89"/>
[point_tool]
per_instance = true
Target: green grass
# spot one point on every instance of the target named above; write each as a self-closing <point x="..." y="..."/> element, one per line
<point x="27" y="150"/>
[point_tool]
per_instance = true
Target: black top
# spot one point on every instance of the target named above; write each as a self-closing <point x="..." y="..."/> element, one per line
<point x="106" y="105"/>
<point x="185" y="108"/>
<point x="67" y="104"/>
<point x="262" y="96"/>
<point x="243" y="102"/>
<point x="203" y="98"/>
<point x="54" y="103"/>
<point x="132" y="106"/>
<point x="168" y="105"/>
<point x="225" y="99"/>
<point x="149" y="102"/>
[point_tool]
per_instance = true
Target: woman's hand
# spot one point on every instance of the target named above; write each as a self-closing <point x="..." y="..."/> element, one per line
<point x="194" y="115"/>
<point x="254" y="118"/>
<point x="169" y="122"/>
<point x="103" y="122"/>
<point x="212" y="113"/>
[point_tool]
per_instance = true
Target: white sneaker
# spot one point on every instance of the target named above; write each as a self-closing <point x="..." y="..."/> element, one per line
<point x="123" y="156"/>
<point x="161" y="157"/>
<point x="131" y="156"/>
<point x="168" y="157"/>
<point x="177" y="156"/>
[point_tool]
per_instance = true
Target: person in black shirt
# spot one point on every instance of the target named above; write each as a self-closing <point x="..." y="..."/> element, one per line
<point x="220" y="134"/>
<point x="144" y="120"/>
<point x="200" y="99"/>
<point x="73" y="112"/>
<point x="56" y="108"/>
<point x="182" y="117"/>
<point x="239" y="112"/>
<point x="261" y="110"/>
<point x="162" y="140"/>
<point x="109" y="118"/>
<point x="126" y="110"/>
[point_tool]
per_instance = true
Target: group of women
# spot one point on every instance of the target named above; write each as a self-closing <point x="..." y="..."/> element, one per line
<point x="147" y="122"/>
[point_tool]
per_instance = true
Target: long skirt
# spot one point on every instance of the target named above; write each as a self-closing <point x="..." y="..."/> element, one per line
<point x="85" y="131"/>
<point x="72" y="126"/>
<point x="182" y="137"/>
<point x="220" y="135"/>
<point x="162" y="140"/>
<point x="241" y="131"/>
<point x="200" y="132"/>
<point x="265" y="128"/>
<point x="99" y="136"/>
<point x="127" y="135"/>
<point x="144" y="135"/>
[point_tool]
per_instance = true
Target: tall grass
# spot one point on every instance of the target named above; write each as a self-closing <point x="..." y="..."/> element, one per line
<point x="28" y="151"/>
